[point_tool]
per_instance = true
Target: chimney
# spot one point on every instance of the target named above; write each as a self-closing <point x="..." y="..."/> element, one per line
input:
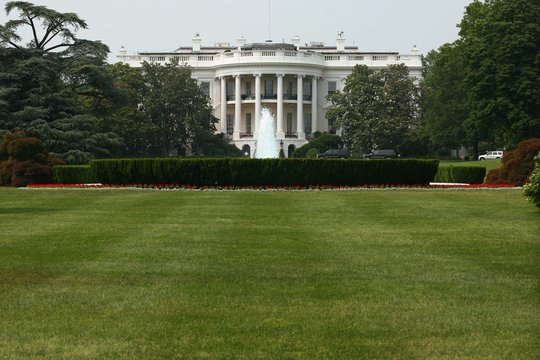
<point x="123" y="55"/>
<point x="296" y="42"/>
<point x="196" y="42"/>
<point x="241" y="42"/>
<point x="340" y="42"/>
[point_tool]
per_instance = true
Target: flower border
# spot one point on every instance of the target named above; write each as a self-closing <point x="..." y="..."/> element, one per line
<point x="317" y="187"/>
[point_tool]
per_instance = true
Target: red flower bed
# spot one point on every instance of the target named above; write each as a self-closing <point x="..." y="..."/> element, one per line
<point x="266" y="188"/>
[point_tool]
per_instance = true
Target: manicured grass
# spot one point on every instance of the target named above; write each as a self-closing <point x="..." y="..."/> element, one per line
<point x="403" y="274"/>
<point x="488" y="164"/>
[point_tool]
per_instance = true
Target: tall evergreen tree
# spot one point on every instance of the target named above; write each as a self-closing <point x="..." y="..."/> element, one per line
<point x="40" y="82"/>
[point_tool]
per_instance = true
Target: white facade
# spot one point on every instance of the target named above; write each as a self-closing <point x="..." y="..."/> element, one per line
<point x="242" y="79"/>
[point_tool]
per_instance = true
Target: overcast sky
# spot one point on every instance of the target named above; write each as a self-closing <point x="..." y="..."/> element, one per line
<point x="164" y="25"/>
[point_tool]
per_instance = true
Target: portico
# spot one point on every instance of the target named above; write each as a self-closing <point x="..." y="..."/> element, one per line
<point x="292" y="98"/>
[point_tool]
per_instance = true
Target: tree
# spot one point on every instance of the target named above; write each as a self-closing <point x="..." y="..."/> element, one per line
<point x="177" y="106"/>
<point x="125" y="118"/>
<point x="377" y="109"/>
<point x="446" y="107"/>
<point x="500" y="41"/>
<point x="40" y="83"/>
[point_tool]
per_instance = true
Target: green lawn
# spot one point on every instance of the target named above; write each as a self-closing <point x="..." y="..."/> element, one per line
<point x="402" y="274"/>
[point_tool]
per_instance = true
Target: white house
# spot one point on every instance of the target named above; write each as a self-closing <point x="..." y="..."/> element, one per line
<point x="289" y="79"/>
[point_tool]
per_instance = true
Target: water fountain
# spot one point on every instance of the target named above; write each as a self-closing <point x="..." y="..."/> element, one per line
<point x="265" y="145"/>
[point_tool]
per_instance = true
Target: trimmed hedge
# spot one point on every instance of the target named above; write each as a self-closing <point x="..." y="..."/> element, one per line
<point x="461" y="174"/>
<point x="74" y="174"/>
<point x="264" y="172"/>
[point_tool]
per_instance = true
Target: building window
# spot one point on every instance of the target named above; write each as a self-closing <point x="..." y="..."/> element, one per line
<point x="289" y="123"/>
<point x="307" y="123"/>
<point x="230" y="90"/>
<point x="205" y="87"/>
<point x="307" y="87"/>
<point x="248" y="87"/>
<point x="268" y="89"/>
<point x="230" y="121"/>
<point x="331" y="87"/>
<point x="289" y="88"/>
<point x="248" y="123"/>
<point x="307" y="90"/>
<point x="331" y="126"/>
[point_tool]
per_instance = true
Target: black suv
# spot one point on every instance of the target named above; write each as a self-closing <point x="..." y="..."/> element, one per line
<point x="381" y="154"/>
<point x="334" y="154"/>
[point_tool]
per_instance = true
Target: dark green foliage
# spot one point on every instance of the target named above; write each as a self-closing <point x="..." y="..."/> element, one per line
<point x="517" y="165"/>
<point x="312" y="153"/>
<point x="263" y="172"/>
<point x="532" y="189"/>
<point x="501" y="44"/>
<point x="42" y="82"/>
<point x="213" y="145"/>
<point x="322" y="142"/>
<point x="24" y="160"/>
<point x="177" y="106"/>
<point x="484" y="86"/>
<point x="446" y="105"/>
<point x="376" y="109"/>
<point x="461" y="174"/>
<point x="74" y="174"/>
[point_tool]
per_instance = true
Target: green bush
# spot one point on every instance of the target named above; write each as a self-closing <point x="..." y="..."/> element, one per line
<point x="74" y="174"/>
<point x="264" y="172"/>
<point x="312" y="153"/>
<point x="461" y="174"/>
<point x="532" y="189"/>
<point x="322" y="142"/>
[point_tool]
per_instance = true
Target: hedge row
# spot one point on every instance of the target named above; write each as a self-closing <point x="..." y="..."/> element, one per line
<point x="461" y="174"/>
<point x="74" y="174"/>
<point x="263" y="172"/>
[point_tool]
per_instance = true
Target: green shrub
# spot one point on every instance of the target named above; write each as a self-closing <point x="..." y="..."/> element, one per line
<point x="531" y="190"/>
<point x="322" y="142"/>
<point x="312" y="153"/>
<point x="460" y="174"/>
<point x="74" y="174"/>
<point x="263" y="172"/>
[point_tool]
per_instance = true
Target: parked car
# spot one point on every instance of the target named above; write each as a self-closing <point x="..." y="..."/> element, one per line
<point x="334" y="154"/>
<point x="491" y="155"/>
<point x="381" y="154"/>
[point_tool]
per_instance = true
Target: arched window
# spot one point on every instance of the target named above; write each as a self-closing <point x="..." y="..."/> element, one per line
<point x="246" y="150"/>
<point x="290" y="150"/>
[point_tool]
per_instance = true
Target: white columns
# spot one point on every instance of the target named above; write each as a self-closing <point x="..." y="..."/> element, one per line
<point x="300" y="108"/>
<point x="280" y="133"/>
<point x="314" y="97"/>
<point x="237" y="108"/>
<point x="223" y="105"/>
<point x="257" y="100"/>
